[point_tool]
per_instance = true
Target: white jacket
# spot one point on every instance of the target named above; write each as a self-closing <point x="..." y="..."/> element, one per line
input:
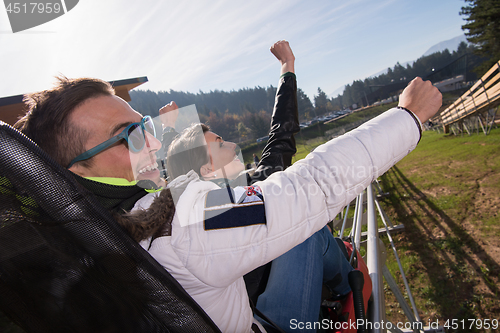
<point x="299" y="201"/>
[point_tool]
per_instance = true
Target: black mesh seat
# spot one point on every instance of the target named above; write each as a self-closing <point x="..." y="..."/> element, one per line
<point x="66" y="266"/>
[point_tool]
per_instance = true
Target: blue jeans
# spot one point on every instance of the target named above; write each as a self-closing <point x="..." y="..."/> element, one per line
<point x="293" y="291"/>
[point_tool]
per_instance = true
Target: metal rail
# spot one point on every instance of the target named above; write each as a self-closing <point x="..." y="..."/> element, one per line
<point x="375" y="260"/>
<point x="376" y="313"/>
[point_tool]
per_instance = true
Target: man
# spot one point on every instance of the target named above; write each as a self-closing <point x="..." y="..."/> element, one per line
<point x="315" y="261"/>
<point x="256" y="160"/>
<point x="310" y="198"/>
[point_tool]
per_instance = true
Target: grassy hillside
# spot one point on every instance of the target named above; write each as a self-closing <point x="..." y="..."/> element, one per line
<point x="446" y="193"/>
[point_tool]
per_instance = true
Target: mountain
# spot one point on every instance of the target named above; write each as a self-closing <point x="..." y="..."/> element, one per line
<point x="338" y="91"/>
<point x="450" y="44"/>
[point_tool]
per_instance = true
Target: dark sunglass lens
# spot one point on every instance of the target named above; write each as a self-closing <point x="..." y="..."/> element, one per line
<point x="135" y="138"/>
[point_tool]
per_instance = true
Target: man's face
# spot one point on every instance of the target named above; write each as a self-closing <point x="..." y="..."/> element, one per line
<point x="104" y="117"/>
<point x="223" y="154"/>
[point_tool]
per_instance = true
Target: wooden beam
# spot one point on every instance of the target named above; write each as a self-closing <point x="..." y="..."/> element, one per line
<point x="12" y="107"/>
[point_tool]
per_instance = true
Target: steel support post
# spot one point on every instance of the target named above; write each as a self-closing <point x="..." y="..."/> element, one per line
<point x="376" y="312"/>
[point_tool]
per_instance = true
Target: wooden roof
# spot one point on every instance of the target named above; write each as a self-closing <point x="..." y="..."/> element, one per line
<point x="12" y="107"/>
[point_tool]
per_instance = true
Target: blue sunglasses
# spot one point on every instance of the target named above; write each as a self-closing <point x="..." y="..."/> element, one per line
<point x="134" y="134"/>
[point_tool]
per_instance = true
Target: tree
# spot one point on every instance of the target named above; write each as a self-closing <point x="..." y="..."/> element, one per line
<point x="337" y="102"/>
<point x="358" y="92"/>
<point x="259" y="123"/>
<point x="462" y="49"/>
<point x="483" y="25"/>
<point x="303" y="101"/>
<point x="320" y="101"/>
<point x="346" y="96"/>
<point x="243" y="131"/>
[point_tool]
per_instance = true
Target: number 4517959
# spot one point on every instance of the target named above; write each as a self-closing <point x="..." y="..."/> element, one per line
<point x="34" y="7"/>
<point x="463" y="324"/>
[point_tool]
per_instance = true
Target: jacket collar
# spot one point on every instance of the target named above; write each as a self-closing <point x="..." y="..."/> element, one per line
<point x="116" y="195"/>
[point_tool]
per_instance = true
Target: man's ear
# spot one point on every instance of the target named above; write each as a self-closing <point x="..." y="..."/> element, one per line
<point x="79" y="170"/>
<point x="206" y="170"/>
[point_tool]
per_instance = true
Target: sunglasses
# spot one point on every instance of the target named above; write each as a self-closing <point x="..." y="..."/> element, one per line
<point x="134" y="134"/>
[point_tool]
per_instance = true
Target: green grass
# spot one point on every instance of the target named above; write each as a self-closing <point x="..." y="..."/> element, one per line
<point x="460" y="169"/>
<point x="446" y="195"/>
<point x="305" y="147"/>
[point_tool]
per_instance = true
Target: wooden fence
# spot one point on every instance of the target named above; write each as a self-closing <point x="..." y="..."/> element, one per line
<point x="477" y="101"/>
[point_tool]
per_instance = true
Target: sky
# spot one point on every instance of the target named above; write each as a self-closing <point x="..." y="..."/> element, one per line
<point x="223" y="44"/>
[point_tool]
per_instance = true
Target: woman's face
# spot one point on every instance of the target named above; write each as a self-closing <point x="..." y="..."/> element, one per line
<point x="223" y="156"/>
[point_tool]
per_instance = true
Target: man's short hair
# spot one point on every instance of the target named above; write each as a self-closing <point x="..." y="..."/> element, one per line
<point x="188" y="151"/>
<point x="47" y="120"/>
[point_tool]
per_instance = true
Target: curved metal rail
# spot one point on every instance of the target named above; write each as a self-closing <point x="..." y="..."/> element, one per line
<point x="365" y="212"/>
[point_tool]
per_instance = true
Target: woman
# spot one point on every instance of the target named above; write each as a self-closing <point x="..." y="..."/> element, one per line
<point x="295" y="283"/>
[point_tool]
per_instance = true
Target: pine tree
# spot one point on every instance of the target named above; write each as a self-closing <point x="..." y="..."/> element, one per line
<point x="304" y="103"/>
<point x="483" y="25"/>
<point x="320" y="101"/>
